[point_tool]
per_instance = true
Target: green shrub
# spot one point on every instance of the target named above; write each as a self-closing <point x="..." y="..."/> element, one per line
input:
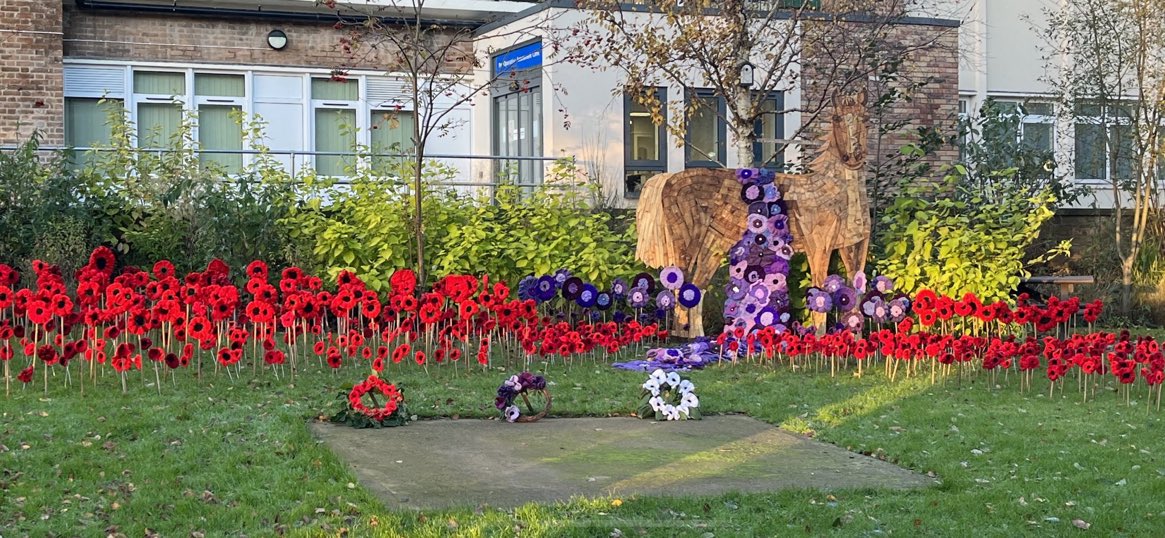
<point x="955" y="245"/>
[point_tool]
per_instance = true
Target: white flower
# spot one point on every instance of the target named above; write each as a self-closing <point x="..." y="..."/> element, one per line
<point x="672" y="412"/>
<point x="686" y="387"/>
<point x="673" y="379"/>
<point x="682" y="410"/>
<point x="512" y="413"/>
<point x="651" y="386"/>
<point x="659" y="376"/>
<point x="690" y="400"/>
<point x="656" y="403"/>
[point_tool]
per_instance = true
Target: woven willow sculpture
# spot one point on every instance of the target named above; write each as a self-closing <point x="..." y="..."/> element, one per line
<point x="691" y="218"/>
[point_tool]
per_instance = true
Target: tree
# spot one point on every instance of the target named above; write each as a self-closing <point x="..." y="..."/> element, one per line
<point x="438" y="61"/>
<point x="780" y="44"/>
<point x="1107" y="65"/>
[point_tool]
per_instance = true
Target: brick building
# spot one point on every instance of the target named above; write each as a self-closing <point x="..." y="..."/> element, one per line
<point x="68" y="65"/>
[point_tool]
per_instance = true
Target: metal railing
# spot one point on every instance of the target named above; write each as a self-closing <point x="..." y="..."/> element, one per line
<point x="491" y="171"/>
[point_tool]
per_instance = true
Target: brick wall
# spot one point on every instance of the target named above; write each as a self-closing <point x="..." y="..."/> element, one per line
<point x="934" y="104"/>
<point x="31" y="84"/>
<point x="178" y="38"/>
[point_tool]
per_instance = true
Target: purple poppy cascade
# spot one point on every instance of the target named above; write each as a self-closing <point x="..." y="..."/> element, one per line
<point x="758" y="290"/>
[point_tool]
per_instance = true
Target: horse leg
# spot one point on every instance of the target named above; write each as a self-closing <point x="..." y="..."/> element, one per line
<point x="853" y="257"/>
<point x="818" y="257"/>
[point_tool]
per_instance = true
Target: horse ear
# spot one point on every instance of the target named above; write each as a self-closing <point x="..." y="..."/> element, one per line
<point x="862" y="97"/>
<point x="836" y="101"/>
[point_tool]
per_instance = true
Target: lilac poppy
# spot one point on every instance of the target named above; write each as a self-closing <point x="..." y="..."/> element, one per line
<point x="899" y="308"/>
<point x="875" y="308"/>
<point x="818" y="300"/>
<point x="772" y="193"/>
<point x="853" y="321"/>
<point x="757" y="223"/>
<point x="689" y="295"/>
<point x="860" y="282"/>
<point x="785" y="251"/>
<point x="736" y="289"/>
<point x="738" y="252"/>
<point x="731" y="309"/>
<point x="776" y="281"/>
<point x="883" y="284"/>
<point x="737" y="269"/>
<point x="751" y="193"/>
<point x="845" y="298"/>
<point x="759" y="293"/>
<point x="665" y="300"/>
<point x="671" y="278"/>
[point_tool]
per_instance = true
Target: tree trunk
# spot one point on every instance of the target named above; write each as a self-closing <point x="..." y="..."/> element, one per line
<point x="419" y="221"/>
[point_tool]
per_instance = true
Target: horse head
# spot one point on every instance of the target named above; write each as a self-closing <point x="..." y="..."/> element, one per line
<point x="850" y="129"/>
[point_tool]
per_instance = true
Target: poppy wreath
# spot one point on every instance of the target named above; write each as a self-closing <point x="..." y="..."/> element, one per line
<point x="522" y="385"/>
<point x="667" y="396"/>
<point x="358" y="414"/>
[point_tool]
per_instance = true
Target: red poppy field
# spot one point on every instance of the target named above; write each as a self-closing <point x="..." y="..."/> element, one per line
<point x="1033" y="421"/>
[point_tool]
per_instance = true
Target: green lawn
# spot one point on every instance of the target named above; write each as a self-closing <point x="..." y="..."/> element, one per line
<point x="226" y="457"/>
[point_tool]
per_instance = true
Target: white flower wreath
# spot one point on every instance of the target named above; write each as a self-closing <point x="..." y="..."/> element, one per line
<point x="667" y="396"/>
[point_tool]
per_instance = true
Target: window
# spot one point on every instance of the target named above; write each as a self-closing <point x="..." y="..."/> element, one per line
<point x="644" y="141"/>
<point x="1104" y="143"/>
<point x="220" y="99"/>
<point x="391" y="133"/>
<point x="964" y="124"/>
<point x="706" y="136"/>
<point x="87" y="124"/>
<point x="1038" y="123"/>
<point x="334" y="104"/>
<point x="158" y="99"/>
<point x="769" y="130"/>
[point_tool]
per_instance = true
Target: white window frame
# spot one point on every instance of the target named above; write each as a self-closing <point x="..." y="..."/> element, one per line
<point x="1111" y="121"/>
<point x="190" y="102"/>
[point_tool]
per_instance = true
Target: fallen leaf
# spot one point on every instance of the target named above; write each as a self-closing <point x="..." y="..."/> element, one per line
<point x="1081" y="524"/>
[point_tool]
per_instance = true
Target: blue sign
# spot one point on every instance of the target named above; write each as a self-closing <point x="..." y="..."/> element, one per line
<point x="524" y="57"/>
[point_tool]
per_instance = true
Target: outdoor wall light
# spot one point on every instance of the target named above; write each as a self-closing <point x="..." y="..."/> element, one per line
<point x="276" y="39"/>
<point x="746" y="75"/>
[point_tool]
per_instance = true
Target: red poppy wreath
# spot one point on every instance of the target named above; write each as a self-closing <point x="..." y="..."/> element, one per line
<point x="357" y="412"/>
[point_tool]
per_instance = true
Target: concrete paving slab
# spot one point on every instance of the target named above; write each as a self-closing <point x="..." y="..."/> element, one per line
<point x="446" y="463"/>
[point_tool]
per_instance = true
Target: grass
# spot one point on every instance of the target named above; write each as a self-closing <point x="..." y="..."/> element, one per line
<point x="226" y="457"/>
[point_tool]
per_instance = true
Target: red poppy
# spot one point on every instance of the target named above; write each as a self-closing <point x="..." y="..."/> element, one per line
<point x="257" y="270"/>
<point x="163" y="269"/>
<point x="25" y="375"/>
<point x="420" y="357"/>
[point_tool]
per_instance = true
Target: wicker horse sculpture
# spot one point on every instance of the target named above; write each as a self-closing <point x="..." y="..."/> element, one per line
<point x="690" y="219"/>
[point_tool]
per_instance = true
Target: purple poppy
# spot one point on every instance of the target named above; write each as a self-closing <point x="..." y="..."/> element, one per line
<point x="645" y="281"/>
<point x="818" y="300"/>
<point x="571" y="288"/>
<point x="671" y="277"/>
<point x="527" y="287"/>
<point x="689" y="295"/>
<point x="603" y="300"/>
<point x="546" y="288"/>
<point x="560" y="276"/>
<point x="833" y="283"/>
<point x="768" y="316"/>
<point x="875" y="308"/>
<point x="845" y="298"/>
<point x="759" y="208"/>
<point x="779" y="300"/>
<point x="665" y="300"/>
<point x="772" y="193"/>
<point x="883" y="284"/>
<point x="736" y="289"/>
<point x="744" y="174"/>
<point x="899" y="308"/>
<point x="776" y="281"/>
<point x="731" y="309"/>
<point x="587" y="296"/>
<point x="753" y="273"/>
<point x="637" y="297"/>
<point x="776" y="208"/>
<point x="619" y="288"/>
<point x="785" y="251"/>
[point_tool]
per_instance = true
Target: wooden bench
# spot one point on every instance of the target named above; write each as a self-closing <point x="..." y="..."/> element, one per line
<point x="1067" y="284"/>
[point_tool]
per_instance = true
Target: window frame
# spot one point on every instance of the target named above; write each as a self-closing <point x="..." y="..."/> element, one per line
<point x="721" y="112"/>
<point x="630" y="164"/>
<point x="137" y="99"/>
<point x="758" y="130"/>
<point x="243" y="102"/>
<point x="1106" y="120"/>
